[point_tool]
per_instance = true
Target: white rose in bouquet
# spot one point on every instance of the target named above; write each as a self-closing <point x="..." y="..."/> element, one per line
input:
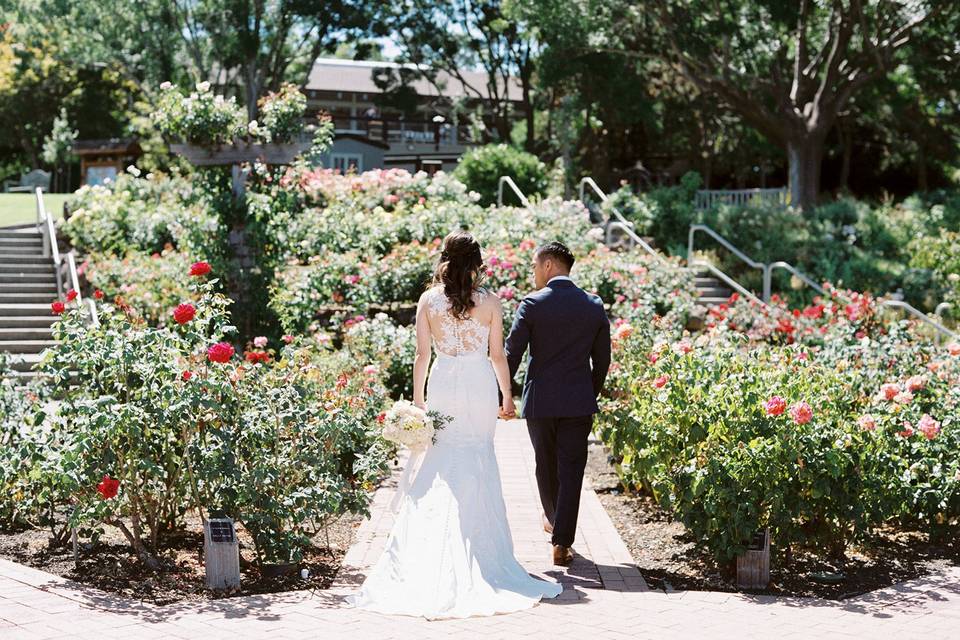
<point x="410" y="426"/>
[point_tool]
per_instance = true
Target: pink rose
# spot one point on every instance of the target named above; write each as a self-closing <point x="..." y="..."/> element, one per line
<point x="260" y="342"/>
<point x="867" y="422"/>
<point x="801" y="412"/>
<point x="661" y="382"/>
<point x="928" y="427"/>
<point x="288" y="338"/>
<point x="907" y="430"/>
<point x="954" y="348"/>
<point x="889" y="390"/>
<point x="904" y="397"/>
<point x="916" y="383"/>
<point x="775" y="406"/>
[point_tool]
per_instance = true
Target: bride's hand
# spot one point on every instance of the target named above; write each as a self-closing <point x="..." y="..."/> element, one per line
<point x="507" y="409"/>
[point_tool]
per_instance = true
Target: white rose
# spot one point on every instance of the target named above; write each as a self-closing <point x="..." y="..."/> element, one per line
<point x="203" y="86"/>
<point x="166" y="85"/>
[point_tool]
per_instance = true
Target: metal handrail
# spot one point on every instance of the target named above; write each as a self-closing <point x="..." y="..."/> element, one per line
<point x="49" y="234"/>
<point x="74" y="277"/>
<point x="773" y="266"/>
<point x="726" y="243"/>
<point x="513" y="186"/>
<point x="920" y="315"/>
<point x="622" y="223"/>
<point x="939" y="312"/>
<point x="730" y="281"/>
<point x="94" y="318"/>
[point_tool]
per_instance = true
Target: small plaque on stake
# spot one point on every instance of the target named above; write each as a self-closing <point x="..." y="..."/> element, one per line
<point x="221" y="554"/>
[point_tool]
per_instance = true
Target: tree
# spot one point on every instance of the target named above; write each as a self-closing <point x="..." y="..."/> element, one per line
<point x="259" y="45"/>
<point x="787" y="68"/>
<point x="446" y="37"/>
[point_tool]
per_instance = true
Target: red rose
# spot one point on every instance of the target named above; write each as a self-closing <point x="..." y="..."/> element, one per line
<point x="661" y="382"/>
<point x="71" y="295"/>
<point x="220" y="352"/>
<point x="108" y="487"/>
<point x="186" y="375"/>
<point x="184" y="313"/>
<point x="381" y="417"/>
<point x="98" y="294"/>
<point x="254" y="357"/>
<point x="775" y="406"/>
<point x="57" y="307"/>
<point x="199" y="268"/>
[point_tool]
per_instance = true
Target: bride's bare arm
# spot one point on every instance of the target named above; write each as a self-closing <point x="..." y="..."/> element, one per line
<point x="421" y="361"/>
<point x="498" y="356"/>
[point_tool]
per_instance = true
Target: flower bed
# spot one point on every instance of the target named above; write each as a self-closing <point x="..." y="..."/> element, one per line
<point x="166" y="420"/>
<point x="823" y="425"/>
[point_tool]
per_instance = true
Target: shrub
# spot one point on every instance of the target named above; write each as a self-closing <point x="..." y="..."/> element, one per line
<point x="641" y="212"/>
<point x="389" y="348"/>
<point x="281" y="114"/>
<point x="200" y="118"/>
<point x="150" y="285"/>
<point x="143" y="214"/>
<point x="167" y="419"/>
<point x="480" y="170"/>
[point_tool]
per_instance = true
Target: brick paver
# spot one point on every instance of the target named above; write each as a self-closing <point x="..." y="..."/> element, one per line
<point x="604" y="596"/>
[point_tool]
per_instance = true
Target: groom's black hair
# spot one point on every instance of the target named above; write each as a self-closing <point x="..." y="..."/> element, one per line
<point x="557" y="251"/>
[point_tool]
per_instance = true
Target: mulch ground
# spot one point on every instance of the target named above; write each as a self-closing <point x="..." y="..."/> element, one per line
<point x="110" y="565"/>
<point x="669" y="560"/>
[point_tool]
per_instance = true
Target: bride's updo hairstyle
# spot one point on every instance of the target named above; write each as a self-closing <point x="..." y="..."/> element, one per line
<point x="459" y="271"/>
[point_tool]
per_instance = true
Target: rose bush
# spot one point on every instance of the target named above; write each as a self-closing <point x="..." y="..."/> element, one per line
<point x="166" y="419"/>
<point x="824" y="438"/>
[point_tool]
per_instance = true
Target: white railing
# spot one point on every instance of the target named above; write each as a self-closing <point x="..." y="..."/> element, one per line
<point x="507" y="180"/>
<point x="920" y="315"/>
<point x="709" y="198"/>
<point x="766" y="269"/>
<point x="51" y="249"/>
<point x="49" y="233"/>
<point x="620" y="223"/>
<point x="727" y="279"/>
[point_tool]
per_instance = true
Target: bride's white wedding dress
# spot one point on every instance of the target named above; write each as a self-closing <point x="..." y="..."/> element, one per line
<point x="450" y="554"/>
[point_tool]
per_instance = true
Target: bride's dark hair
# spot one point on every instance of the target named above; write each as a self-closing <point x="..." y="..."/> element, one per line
<point x="459" y="271"/>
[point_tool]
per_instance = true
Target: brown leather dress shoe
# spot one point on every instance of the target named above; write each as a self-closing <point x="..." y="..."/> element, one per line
<point x="546" y="524"/>
<point x="562" y="556"/>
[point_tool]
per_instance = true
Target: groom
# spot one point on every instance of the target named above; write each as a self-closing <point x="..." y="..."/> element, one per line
<point x="568" y="334"/>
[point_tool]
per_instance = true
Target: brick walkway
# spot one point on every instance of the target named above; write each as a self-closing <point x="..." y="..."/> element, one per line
<point x="605" y="597"/>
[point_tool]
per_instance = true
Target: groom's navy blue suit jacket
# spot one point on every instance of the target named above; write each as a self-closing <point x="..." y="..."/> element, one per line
<point x="568" y="334"/>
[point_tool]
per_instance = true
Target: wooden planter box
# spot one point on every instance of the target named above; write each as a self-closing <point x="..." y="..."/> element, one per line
<point x="237" y="153"/>
<point x="753" y="567"/>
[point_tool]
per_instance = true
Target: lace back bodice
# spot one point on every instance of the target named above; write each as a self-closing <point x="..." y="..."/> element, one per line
<point x="454" y="336"/>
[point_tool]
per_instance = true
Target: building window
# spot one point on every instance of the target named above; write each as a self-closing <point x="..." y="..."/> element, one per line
<point x="343" y="162"/>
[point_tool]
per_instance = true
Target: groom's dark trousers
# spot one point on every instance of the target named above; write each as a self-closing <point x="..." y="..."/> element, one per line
<point x="568" y="336"/>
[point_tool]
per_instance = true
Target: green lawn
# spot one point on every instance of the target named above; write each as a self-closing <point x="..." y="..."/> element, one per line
<point x="17" y="208"/>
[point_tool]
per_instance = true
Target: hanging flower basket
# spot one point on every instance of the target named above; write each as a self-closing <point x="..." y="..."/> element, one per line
<point x="238" y="152"/>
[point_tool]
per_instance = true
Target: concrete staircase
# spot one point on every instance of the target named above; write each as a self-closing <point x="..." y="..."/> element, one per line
<point x="27" y="287"/>
<point x="710" y="290"/>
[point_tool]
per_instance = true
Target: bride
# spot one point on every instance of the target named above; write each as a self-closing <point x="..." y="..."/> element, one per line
<point x="450" y="554"/>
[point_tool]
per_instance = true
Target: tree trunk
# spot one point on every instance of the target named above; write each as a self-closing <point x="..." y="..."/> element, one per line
<point x="805" y="155"/>
<point x="923" y="183"/>
<point x="846" y="139"/>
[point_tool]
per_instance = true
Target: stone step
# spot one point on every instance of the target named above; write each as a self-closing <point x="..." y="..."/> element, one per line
<point x="11" y="277"/>
<point x="712" y="302"/>
<point x="16" y="267"/>
<point x="25" y="258"/>
<point x="25" y="309"/>
<point x="714" y="292"/>
<point x="24" y="333"/>
<point x="25" y="362"/>
<point x="28" y="321"/>
<point x="27" y="242"/>
<point x="706" y="282"/>
<point x="21" y="234"/>
<point x="32" y="287"/>
<point x="25" y="346"/>
<point x="28" y="297"/>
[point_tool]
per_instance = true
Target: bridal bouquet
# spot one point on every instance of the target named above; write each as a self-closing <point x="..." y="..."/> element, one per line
<point x="410" y="426"/>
